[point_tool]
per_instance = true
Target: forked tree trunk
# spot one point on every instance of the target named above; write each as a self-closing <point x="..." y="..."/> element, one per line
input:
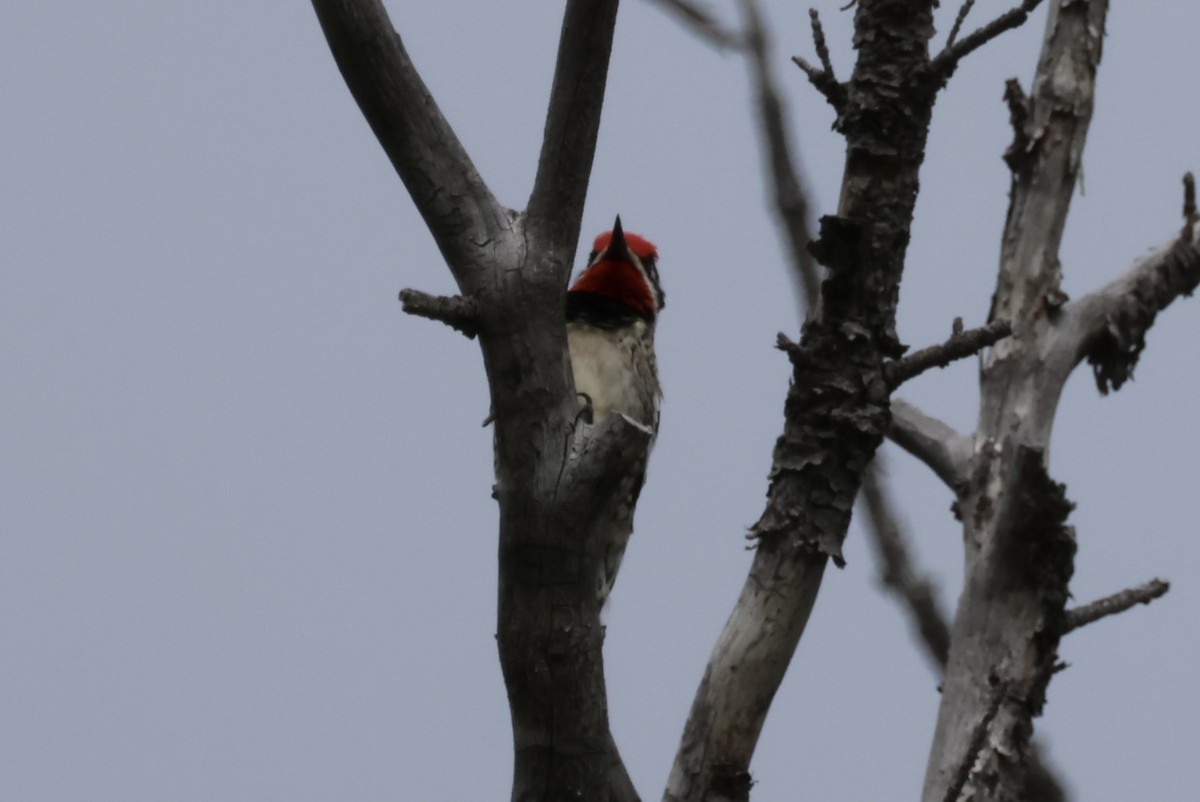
<point x="553" y="471"/>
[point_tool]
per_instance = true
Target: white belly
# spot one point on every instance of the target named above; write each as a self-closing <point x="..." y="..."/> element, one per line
<point x="616" y="370"/>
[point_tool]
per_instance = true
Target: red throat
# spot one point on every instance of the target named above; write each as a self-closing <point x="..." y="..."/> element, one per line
<point x="619" y="280"/>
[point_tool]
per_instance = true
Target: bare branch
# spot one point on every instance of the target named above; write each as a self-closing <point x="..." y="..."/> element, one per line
<point x="818" y="34"/>
<point x="822" y="78"/>
<point x="916" y="593"/>
<point x="743" y="672"/>
<point x="1109" y="326"/>
<point x="960" y="345"/>
<point x="457" y="312"/>
<point x="1189" y="202"/>
<point x="1015" y="530"/>
<point x="791" y="201"/>
<point x="453" y="199"/>
<point x="946" y="61"/>
<point x="1112" y="605"/>
<point x="553" y="555"/>
<point x="572" y="125"/>
<point x="787" y="344"/>
<point x="548" y="605"/>
<point x="702" y="23"/>
<point x="823" y="82"/>
<point x="933" y="442"/>
<point x="958" y="22"/>
<point x="835" y="414"/>
<point x="836" y="411"/>
<point x="1050" y="131"/>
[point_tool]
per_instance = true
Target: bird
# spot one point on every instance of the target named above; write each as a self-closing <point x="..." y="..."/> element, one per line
<point x="612" y="310"/>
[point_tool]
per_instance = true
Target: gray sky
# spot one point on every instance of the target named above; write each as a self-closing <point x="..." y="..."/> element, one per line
<point x="247" y="547"/>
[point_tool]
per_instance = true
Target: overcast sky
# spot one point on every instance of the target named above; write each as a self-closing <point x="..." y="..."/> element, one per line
<point x="247" y="546"/>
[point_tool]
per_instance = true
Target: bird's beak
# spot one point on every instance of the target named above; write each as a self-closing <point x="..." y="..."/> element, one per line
<point x="617" y="249"/>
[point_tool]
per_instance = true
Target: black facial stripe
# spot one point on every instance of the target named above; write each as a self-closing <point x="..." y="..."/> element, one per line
<point x="601" y="311"/>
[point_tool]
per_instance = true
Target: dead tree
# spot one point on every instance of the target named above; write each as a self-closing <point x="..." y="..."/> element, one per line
<point x="553" y="470"/>
<point x="1019" y="548"/>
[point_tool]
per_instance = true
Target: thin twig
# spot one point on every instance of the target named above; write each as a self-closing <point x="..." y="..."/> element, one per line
<point x="944" y="64"/>
<point x="823" y="82"/>
<point x="1111" y="605"/>
<point x="959" y="346"/>
<point x="822" y="78"/>
<point x="457" y="312"/>
<point x="958" y="22"/>
<point x="702" y="23"/>
<point x="916" y="592"/>
<point x="818" y="35"/>
<point x="788" y="346"/>
<point x="1189" y="203"/>
<point x="791" y="201"/>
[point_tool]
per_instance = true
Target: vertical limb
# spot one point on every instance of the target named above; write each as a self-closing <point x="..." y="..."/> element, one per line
<point x="512" y="271"/>
<point x="836" y="412"/>
<point x="1019" y="550"/>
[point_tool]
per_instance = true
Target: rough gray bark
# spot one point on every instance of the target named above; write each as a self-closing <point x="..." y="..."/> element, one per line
<point x="945" y="450"/>
<point x="790" y="201"/>
<point x="551" y="469"/>
<point x="836" y="412"/>
<point x="1019" y="550"/>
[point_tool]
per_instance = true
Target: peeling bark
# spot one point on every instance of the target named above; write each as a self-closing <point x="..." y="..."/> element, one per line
<point x="836" y="412"/>
<point x="1019" y="551"/>
<point x="554" y="471"/>
<point x="1112" y="323"/>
